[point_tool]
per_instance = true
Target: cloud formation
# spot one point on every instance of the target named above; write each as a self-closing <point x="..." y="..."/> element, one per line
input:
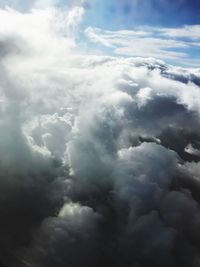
<point x="99" y="156"/>
<point x="171" y="44"/>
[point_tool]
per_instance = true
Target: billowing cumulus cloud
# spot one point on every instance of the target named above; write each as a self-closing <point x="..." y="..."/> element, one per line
<point x="99" y="156"/>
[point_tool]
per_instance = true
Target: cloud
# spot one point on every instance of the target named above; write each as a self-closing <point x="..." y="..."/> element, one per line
<point x="149" y="42"/>
<point x="99" y="155"/>
<point x="188" y="31"/>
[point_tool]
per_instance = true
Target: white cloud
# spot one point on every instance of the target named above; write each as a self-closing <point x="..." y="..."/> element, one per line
<point x="188" y="31"/>
<point x="74" y="18"/>
<point x="149" y="42"/>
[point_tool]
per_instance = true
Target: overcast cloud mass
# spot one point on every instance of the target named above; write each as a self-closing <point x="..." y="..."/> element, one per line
<point x="99" y="154"/>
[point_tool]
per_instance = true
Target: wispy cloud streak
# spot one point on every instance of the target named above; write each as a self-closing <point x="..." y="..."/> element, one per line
<point x="176" y="44"/>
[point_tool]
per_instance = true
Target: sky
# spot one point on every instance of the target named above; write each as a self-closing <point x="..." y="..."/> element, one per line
<point x="168" y="30"/>
<point x="99" y="133"/>
<point x="130" y="13"/>
<point x="164" y="29"/>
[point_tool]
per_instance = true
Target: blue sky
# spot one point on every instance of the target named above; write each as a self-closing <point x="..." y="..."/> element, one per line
<point x="165" y="29"/>
<point x="116" y="14"/>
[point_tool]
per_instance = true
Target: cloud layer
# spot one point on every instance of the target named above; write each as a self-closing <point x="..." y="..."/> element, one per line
<point x="99" y="156"/>
<point x="180" y="45"/>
